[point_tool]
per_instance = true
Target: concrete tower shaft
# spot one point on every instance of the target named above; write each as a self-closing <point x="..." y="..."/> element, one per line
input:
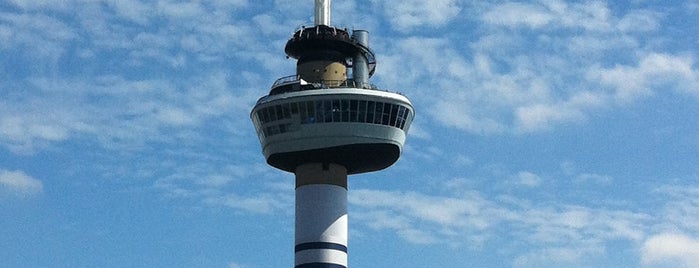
<point x="321" y="216"/>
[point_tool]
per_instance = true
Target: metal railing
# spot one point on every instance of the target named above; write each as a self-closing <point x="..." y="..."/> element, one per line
<point x="286" y="80"/>
<point x="348" y="83"/>
<point x="324" y="84"/>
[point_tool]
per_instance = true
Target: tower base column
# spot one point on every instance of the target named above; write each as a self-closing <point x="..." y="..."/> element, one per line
<point x="321" y="216"/>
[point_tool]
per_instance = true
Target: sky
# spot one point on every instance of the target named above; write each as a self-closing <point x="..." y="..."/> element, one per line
<point x="547" y="133"/>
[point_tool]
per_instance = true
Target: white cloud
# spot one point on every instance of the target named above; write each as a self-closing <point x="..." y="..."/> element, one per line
<point x="133" y="10"/>
<point x="515" y="14"/>
<point x="40" y="37"/>
<point x="407" y="15"/>
<point x="593" y="178"/>
<point x="590" y="16"/>
<point x="19" y="183"/>
<point x="180" y="10"/>
<point x="527" y="179"/>
<point x="554" y="257"/>
<point x="467" y="216"/>
<point x="542" y="116"/>
<point x="671" y="249"/>
<point x="654" y="72"/>
<point x="682" y="208"/>
<point x="263" y="203"/>
<point x="216" y="183"/>
<point x="117" y="111"/>
<point x="42" y="4"/>
<point x="135" y="104"/>
<point x="510" y="81"/>
<point x="639" y="21"/>
<point x="235" y="265"/>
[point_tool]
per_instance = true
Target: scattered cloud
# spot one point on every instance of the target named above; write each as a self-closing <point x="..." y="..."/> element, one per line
<point x="671" y="249"/>
<point x="590" y="16"/>
<point x="236" y="265"/>
<point x="654" y="72"/>
<point x="575" y="60"/>
<point x="217" y="183"/>
<point x="18" y="183"/>
<point x="516" y="14"/>
<point x="405" y="16"/>
<point x="681" y="209"/>
<point x="558" y="257"/>
<point x="565" y="232"/>
<point x="528" y="179"/>
<point x="586" y="178"/>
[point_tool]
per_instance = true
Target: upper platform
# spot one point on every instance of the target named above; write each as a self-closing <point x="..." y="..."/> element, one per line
<point x="294" y="83"/>
<point x="309" y="41"/>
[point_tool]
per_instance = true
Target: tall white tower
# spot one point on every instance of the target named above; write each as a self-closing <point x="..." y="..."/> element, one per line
<point x="323" y="124"/>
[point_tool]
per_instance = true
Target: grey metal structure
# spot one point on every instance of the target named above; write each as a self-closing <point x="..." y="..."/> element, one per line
<point x="322" y="125"/>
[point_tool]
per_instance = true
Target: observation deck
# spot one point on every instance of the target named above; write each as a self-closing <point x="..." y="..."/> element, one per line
<point x="359" y="127"/>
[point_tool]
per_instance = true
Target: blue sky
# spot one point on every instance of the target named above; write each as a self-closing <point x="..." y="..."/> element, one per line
<point x="548" y="134"/>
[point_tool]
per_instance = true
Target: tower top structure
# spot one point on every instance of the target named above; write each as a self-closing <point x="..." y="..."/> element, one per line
<point x="324" y="123"/>
<point x="329" y="112"/>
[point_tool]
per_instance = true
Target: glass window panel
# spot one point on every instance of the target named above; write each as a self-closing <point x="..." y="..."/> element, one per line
<point x="386" y="114"/>
<point x="311" y="112"/>
<point x="336" y="111"/>
<point x="371" y="106"/>
<point x="394" y="113"/>
<point x="353" y="110"/>
<point x="272" y="114"/>
<point x="327" y="111"/>
<point x="361" y="111"/>
<point x="406" y="117"/>
<point x="399" y="117"/>
<point x="265" y="115"/>
<point x="260" y="116"/>
<point x="257" y="120"/>
<point x="286" y="109"/>
<point x="318" y="107"/>
<point x="344" y="108"/>
<point x="294" y="108"/>
<point x="378" y="113"/>
<point x="303" y="115"/>
<point x="280" y="114"/>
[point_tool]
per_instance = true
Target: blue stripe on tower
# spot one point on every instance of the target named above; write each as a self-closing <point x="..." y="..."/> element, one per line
<point x="320" y="245"/>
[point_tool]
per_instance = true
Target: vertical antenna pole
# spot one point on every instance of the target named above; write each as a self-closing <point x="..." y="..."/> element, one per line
<point x="322" y="12"/>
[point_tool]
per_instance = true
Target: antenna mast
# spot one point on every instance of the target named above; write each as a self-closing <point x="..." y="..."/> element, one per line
<point x="322" y="12"/>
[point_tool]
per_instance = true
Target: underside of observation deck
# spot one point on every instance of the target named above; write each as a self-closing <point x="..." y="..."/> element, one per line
<point x="357" y="158"/>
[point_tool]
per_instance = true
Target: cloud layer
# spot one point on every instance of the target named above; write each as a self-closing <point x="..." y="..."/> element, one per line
<point x="539" y="65"/>
<point x="18" y="183"/>
<point x="170" y="84"/>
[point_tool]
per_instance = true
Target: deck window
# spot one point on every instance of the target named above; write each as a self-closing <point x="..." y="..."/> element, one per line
<point x="328" y="111"/>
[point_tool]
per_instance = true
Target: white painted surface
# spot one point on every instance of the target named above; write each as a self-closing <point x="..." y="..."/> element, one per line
<point x="321" y="216"/>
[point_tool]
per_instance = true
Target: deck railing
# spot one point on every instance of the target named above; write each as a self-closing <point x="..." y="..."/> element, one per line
<point x="324" y="84"/>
